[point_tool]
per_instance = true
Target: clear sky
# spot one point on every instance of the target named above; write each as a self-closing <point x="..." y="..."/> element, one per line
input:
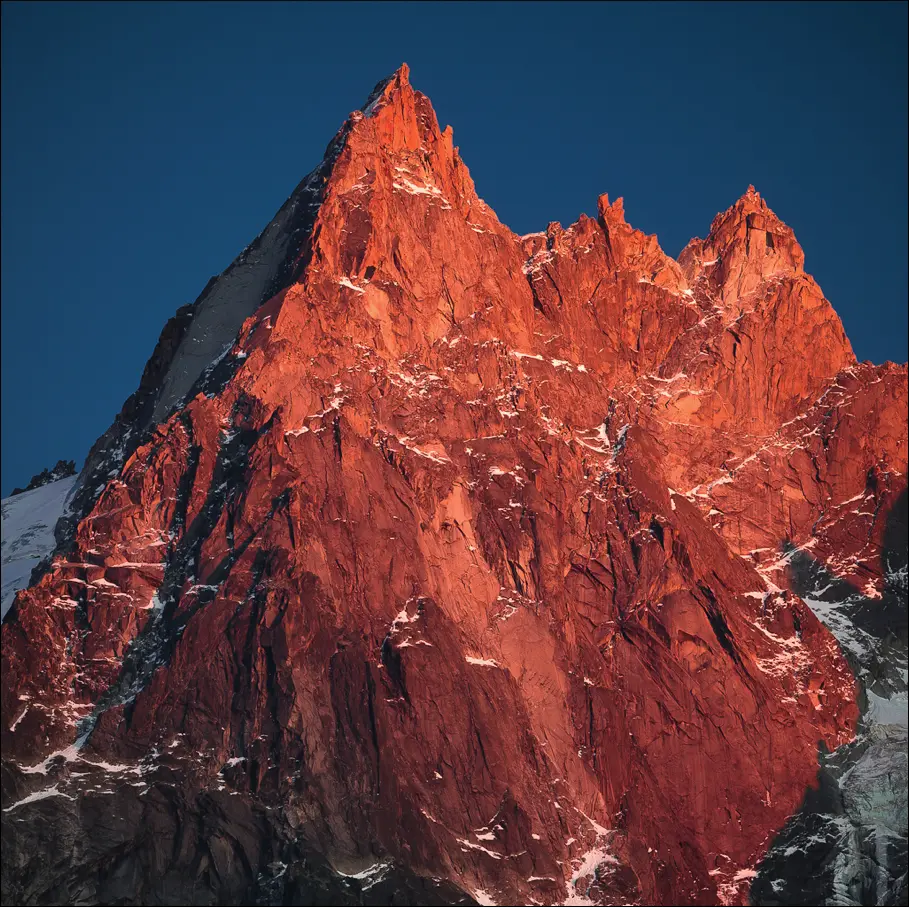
<point x="144" y="145"/>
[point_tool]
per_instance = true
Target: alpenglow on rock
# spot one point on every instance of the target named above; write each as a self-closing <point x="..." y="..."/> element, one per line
<point x="434" y="564"/>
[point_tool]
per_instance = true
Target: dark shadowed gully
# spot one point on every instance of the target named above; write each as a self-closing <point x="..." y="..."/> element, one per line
<point x="433" y="564"/>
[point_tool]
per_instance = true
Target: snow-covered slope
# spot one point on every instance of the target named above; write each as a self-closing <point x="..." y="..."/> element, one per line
<point x="224" y="306"/>
<point x="260" y="271"/>
<point x="28" y="532"/>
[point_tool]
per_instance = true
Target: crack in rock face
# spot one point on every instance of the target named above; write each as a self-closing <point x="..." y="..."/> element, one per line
<point x="433" y="564"/>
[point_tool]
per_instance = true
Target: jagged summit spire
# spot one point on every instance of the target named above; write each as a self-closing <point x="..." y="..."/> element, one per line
<point x="407" y="115"/>
<point x="611" y="211"/>
<point x="746" y="244"/>
<point x="750" y="201"/>
<point x="387" y="87"/>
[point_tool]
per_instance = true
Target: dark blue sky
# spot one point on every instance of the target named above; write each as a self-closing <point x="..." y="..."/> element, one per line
<point x="143" y="145"/>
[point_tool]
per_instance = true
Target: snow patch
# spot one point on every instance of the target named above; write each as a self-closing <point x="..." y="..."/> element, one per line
<point x="347" y="282"/>
<point x="482" y="662"/>
<point x="28" y="533"/>
<point x="38" y="795"/>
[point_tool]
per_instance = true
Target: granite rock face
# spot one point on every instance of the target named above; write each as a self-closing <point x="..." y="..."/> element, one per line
<point x="459" y="568"/>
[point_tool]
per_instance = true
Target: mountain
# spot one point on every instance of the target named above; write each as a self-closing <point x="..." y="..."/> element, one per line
<point x="434" y="564"/>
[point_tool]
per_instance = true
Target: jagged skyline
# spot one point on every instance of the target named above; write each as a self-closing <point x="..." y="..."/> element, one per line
<point x="124" y="124"/>
<point x="429" y="561"/>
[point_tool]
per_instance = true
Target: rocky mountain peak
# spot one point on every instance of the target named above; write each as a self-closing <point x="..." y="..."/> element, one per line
<point x="434" y="564"/>
<point x="611" y="214"/>
<point x="633" y="250"/>
<point x="405" y="118"/>
<point x="747" y="245"/>
<point x="385" y="88"/>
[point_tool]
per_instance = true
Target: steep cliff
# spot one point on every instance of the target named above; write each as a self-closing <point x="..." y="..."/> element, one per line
<point x="438" y="563"/>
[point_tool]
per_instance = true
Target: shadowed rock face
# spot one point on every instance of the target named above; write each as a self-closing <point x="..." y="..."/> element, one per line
<point x="454" y="575"/>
